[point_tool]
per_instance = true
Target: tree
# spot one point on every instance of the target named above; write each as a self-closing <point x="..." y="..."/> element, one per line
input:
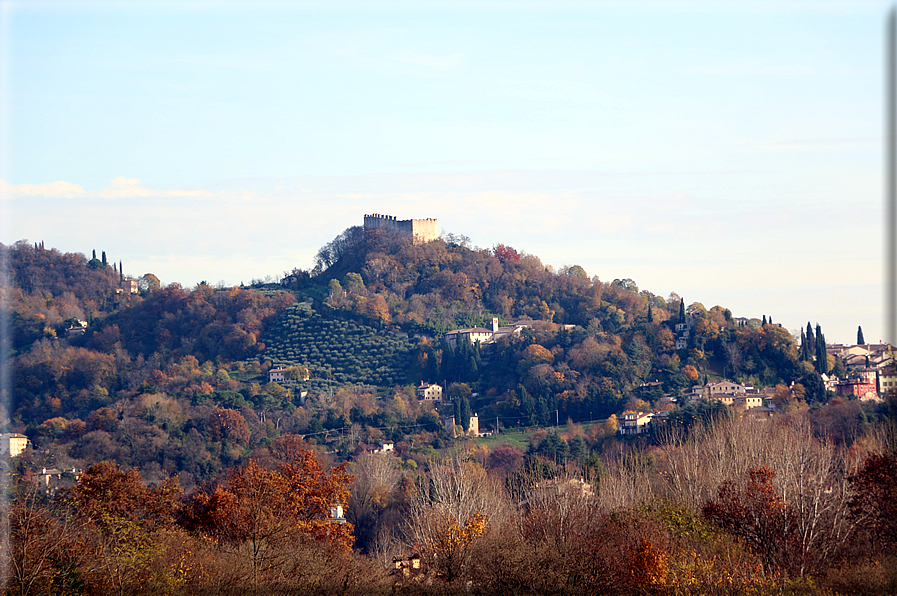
<point x="860" y="339"/>
<point x="256" y="512"/>
<point x="821" y="353"/>
<point x="228" y="425"/>
<point x="126" y="521"/>
<point x="874" y="504"/>
<point x="450" y="512"/>
<point x="148" y="283"/>
<point x="44" y="548"/>
<point x="464" y="421"/>
<point x="505" y="254"/>
<point x="505" y="458"/>
<point x="755" y="514"/>
<point x="804" y="347"/>
<point x="682" y="310"/>
<point x="104" y="259"/>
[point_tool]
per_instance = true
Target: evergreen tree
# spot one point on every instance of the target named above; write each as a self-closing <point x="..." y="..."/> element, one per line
<point x="94" y="257"/>
<point x="527" y="406"/>
<point x="465" y="414"/>
<point x="682" y="310"/>
<point x="860" y="339"/>
<point x="764" y="321"/>
<point x="121" y="272"/>
<point x="650" y="314"/>
<point x="804" y="347"/>
<point x="104" y="259"/>
<point x="821" y="354"/>
<point x="578" y="448"/>
<point x="811" y="339"/>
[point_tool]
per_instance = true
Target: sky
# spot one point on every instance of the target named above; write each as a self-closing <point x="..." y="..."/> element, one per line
<point x="728" y="151"/>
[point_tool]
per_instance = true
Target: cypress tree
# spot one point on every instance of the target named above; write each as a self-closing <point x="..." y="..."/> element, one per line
<point x="650" y="314"/>
<point x="121" y="272"/>
<point x="682" y="310"/>
<point x="811" y="339"/>
<point x="860" y="339"/>
<point x="764" y="321"/>
<point x="465" y="414"/>
<point x="804" y="347"/>
<point x="821" y="354"/>
<point x="104" y="259"/>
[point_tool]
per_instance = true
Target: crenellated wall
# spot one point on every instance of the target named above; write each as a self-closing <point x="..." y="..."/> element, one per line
<point x="422" y="230"/>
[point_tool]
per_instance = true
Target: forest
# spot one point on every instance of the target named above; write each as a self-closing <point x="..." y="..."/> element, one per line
<point x="184" y="470"/>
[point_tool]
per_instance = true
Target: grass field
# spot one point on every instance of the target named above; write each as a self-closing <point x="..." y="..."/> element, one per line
<point x="518" y="439"/>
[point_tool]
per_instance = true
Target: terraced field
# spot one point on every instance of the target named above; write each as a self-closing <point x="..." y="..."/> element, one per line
<point x="338" y="352"/>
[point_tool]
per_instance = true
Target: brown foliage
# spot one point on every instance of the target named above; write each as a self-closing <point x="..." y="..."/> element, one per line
<point x="260" y="511"/>
<point x="874" y="504"/>
<point x="757" y="515"/>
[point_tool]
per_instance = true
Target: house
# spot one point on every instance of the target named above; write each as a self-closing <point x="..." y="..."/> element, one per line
<point x="277" y="375"/>
<point x="51" y="480"/>
<point x="76" y="327"/>
<point x="683" y="331"/>
<point x="429" y="392"/>
<point x="887" y="379"/>
<point x="484" y="335"/>
<point x="405" y="566"/>
<point x="633" y="423"/>
<point x="748" y="401"/>
<point x="560" y="486"/>
<point x="861" y="383"/>
<point x="12" y="444"/>
<point x="473" y="427"/>
<point x="862" y="355"/>
<point x="720" y="390"/>
<point x="385" y="447"/>
<point x="830" y="382"/>
<point x="336" y="514"/>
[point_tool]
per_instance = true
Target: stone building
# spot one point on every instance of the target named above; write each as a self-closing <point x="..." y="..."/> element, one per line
<point x="421" y="230"/>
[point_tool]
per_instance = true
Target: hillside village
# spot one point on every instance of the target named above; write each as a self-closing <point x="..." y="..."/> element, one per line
<point x="407" y="377"/>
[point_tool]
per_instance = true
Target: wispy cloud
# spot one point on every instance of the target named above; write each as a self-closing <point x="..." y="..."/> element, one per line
<point x="59" y="189"/>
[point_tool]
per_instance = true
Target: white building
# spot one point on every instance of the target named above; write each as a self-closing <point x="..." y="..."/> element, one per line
<point x="12" y="444"/>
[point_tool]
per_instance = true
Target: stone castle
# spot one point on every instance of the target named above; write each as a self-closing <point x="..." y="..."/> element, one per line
<point x="421" y="230"/>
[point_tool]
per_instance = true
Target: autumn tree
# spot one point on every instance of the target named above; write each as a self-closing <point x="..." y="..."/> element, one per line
<point x="756" y="514"/>
<point x="874" y="503"/>
<point x="46" y="549"/>
<point x="257" y="512"/>
<point x="452" y="509"/>
<point x="126" y="521"/>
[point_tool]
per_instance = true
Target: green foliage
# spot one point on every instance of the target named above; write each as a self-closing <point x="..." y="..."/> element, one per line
<point x="336" y="350"/>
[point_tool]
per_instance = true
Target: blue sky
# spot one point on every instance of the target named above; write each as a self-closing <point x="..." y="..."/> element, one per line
<point x="728" y="151"/>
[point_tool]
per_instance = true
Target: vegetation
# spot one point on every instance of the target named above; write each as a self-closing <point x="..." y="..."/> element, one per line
<point x="201" y="475"/>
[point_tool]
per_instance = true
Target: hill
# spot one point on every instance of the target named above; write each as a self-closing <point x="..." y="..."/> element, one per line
<point x="174" y="379"/>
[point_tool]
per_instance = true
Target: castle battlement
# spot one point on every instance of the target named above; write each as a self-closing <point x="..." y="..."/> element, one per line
<point x="421" y="230"/>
